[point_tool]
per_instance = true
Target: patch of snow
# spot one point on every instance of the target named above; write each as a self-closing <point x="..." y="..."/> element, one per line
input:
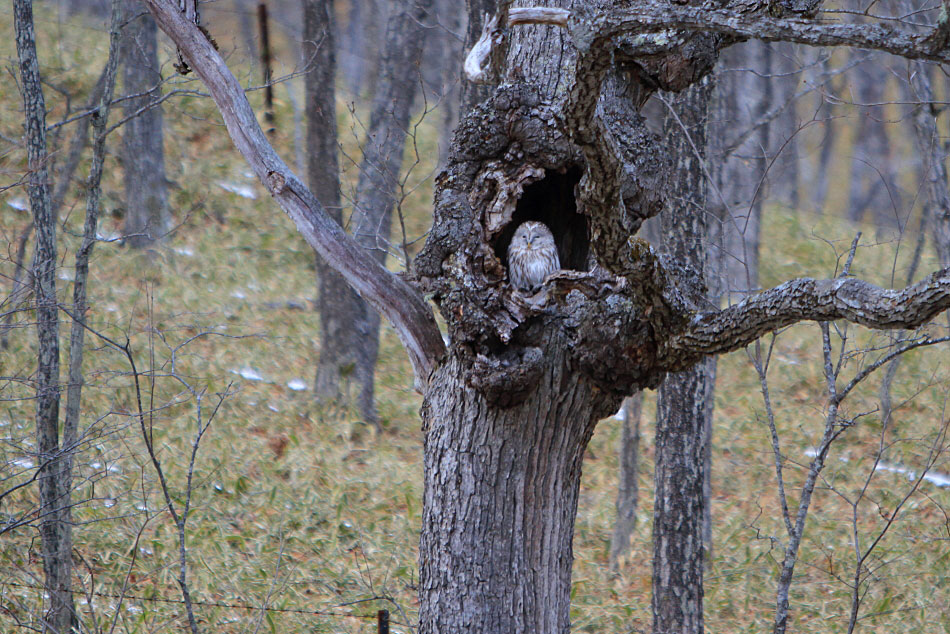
<point x="248" y="373"/>
<point x="272" y="408"/>
<point x="938" y="479"/>
<point x="19" y="203"/>
<point x="66" y="275"/>
<point x="787" y="359"/>
<point x="111" y="236"/>
<point x="933" y="477"/>
<point x="893" y="468"/>
<point x="245" y="191"/>
<point x="297" y="385"/>
<point x="619" y="414"/>
<point x="185" y="251"/>
<point x="109" y="503"/>
<point x="23" y="463"/>
<point x="238" y="295"/>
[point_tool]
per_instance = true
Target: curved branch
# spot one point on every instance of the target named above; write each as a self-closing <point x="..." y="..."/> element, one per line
<point x="758" y="25"/>
<point x="802" y="299"/>
<point x="387" y="293"/>
<point x="743" y="20"/>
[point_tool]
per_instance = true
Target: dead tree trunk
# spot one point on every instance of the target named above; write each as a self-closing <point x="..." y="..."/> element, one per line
<point x="55" y="533"/>
<point x="147" y="218"/>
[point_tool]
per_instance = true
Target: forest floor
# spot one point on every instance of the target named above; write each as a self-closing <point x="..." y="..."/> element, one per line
<point x="307" y="518"/>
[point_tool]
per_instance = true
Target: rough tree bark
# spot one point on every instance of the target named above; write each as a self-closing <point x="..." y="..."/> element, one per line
<point x="680" y="476"/>
<point x="55" y="530"/>
<point x="508" y="410"/>
<point x="147" y="217"/>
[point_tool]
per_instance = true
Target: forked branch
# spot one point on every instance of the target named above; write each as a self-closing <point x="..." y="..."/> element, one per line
<point x="387" y="293"/>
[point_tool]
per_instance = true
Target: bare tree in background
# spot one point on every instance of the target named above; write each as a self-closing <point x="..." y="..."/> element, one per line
<point x="511" y="406"/>
<point x="336" y="303"/>
<point x="740" y="158"/>
<point x="147" y="216"/>
<point x="55" y="458"/>
<point x="54" y="531"/>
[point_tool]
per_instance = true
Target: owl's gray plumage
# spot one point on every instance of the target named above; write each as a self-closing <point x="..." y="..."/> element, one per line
<point x="532" y="255"/>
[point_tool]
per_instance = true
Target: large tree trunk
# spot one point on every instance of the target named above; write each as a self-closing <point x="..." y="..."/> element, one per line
<point x="143" y="154"/>
<point x="55" y="530"/>
<point x="500" y="500"/>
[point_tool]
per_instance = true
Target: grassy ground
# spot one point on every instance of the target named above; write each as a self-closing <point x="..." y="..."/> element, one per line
<point x="295" y="511"/>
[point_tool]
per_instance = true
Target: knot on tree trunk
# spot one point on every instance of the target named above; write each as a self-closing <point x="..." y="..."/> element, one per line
<point x="514" y="162"/>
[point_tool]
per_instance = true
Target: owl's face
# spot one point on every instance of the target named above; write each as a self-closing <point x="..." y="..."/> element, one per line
<point x="533" y="235"/>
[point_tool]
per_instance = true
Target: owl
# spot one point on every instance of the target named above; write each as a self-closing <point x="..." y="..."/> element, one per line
<point x="532" y="255"/>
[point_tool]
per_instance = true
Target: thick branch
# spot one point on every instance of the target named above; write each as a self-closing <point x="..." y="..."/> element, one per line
<point x="645" y="18"/>
<point x="387" y="293"/>
<point x="742" y="21"/>
<point x="803" y="299"/>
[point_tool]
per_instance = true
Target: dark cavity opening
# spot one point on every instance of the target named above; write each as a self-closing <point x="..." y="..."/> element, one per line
<point x="551" y="201"/>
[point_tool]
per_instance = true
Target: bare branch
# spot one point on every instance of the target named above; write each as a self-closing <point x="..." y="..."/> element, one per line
<point x="802" y="299"/>
<point x="756" y="24"/>
<point x="387" y="293"/>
